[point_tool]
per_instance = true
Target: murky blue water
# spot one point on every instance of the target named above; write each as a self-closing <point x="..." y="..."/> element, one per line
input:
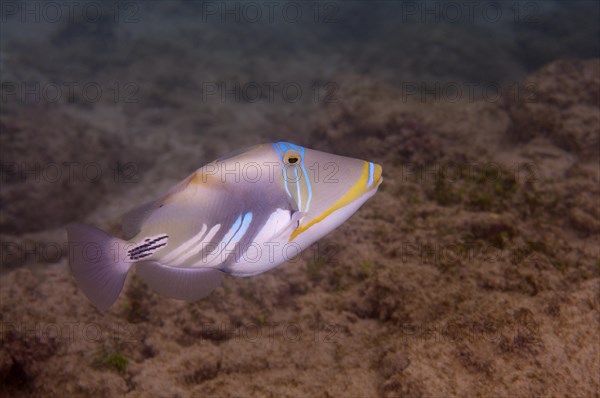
<point x="395" y="41"/>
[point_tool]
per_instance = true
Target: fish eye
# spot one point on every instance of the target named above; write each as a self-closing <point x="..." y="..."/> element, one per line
<point x="292" y="158"/>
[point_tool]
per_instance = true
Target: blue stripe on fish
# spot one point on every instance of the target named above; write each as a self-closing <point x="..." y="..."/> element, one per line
<point x="305" y="174"/>
<point x="296" y="175"/>
<point x="283" y="146"/>
<point x="243" y="229"/>
<point x="371" y="171"/>
<point x="298" y="187"/>
<point x="232" y="237"/>
<point x="233" y="230"/>
<point x="280" y="152"/>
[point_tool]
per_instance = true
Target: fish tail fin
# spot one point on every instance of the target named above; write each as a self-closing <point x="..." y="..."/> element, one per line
<point x="99" y="263"/>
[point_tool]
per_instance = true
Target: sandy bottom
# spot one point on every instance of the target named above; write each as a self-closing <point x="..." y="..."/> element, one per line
<point x="475" y="270"/>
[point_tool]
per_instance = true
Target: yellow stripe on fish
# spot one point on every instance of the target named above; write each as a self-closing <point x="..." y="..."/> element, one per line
<point x="356" y="191"/>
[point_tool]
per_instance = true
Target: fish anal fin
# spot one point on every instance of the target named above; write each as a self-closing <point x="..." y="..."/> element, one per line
<point x="188" y="284"/>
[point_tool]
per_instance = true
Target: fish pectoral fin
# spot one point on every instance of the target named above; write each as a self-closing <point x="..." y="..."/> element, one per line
<point x="188" y="284"/>
<point x="293" y="225"/>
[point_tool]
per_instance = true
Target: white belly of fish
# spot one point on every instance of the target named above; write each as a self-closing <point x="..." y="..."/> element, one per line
<point x="269" y="254"/>
<point x="270" y="247"/>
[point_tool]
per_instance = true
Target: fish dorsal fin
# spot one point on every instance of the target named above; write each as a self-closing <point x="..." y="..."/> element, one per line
<point x="132" y="221"/>
<point x="180" y="186"/>
<point x="198" y="180"/>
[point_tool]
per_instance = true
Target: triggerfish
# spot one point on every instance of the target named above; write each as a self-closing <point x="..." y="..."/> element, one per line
<point x="243" y="214"/>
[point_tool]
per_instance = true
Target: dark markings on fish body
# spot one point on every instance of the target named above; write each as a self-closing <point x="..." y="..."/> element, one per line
<point x="141" y="256"/>
<point x="146" y="245"/>
<point x="148" y="248"/>
<point x="148" y="252"/>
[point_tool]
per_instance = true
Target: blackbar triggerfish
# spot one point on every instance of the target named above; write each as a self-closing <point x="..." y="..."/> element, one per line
<point x="243" y="214"/>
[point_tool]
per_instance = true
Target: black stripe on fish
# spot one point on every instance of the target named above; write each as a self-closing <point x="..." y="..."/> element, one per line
<point x="147" y="242"/>
<point x="146" y="245"/>
<point x="149" y="247"/>
<point x="150" y="251"/>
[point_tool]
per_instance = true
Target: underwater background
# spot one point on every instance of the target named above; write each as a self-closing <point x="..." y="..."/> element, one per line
<point x="474" y="271"/>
